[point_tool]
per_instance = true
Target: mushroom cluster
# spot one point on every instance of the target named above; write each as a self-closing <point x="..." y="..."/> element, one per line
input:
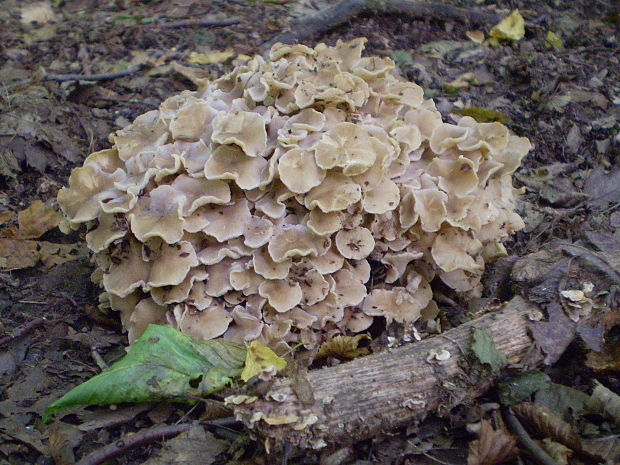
<point x="256" y="207"/>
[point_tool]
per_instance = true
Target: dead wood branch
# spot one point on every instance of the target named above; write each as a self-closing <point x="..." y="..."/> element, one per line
<point x="145" y="436"/>
<point x="19" y="332"/>
<point x="359" y="399"/>
<point x="78" y="77"/>
<point x="345" y="10"/>
<point x="202" y="22"/>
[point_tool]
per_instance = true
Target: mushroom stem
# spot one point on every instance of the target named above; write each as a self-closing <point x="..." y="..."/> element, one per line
<point x="357" y="400"/>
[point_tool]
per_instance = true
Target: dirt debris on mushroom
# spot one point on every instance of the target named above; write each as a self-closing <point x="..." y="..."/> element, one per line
<point x="258" y="206"/>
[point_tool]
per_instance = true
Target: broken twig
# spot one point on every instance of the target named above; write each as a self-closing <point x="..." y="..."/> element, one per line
<point x="19" y="332"/>
<point x="313" y="25"/>
<point x="527" y="442"/>
<point x="144" y="437"/>
<point x="79" y="77"/>
<point x="203" y="22"/>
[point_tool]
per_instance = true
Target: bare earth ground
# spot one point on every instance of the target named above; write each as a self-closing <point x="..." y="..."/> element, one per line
<point x="564" y="97"/>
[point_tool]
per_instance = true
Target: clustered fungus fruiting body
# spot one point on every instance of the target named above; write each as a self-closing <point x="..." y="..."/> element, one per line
<point x="256" y="207"/>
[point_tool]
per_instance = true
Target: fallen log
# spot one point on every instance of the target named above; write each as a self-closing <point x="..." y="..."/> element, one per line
<point x="358" y="399"/>
<point x="339" y="13"/>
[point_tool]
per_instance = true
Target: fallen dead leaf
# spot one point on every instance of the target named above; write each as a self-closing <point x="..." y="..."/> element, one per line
<point x="343" y="346"/>
<point x="17" y="254"/>
<point x="493" y="446"/>
<point x="511" y="27"/>
<point x="464" y="81"/>
<point x="38" y="13"/>
<point x="36" y="220"/>
<point x="211" y="57"/>
<point x="5" y="217"/>
<point x="475" y="36"/>
<point x="193" y="446"/>
<point x="547" y="424"/>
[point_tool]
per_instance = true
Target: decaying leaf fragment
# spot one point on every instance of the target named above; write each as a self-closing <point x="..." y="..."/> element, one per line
<point x="485" y="351"/>
<point x="494" y="446"/>
<point x="343" y="346"/>
<point x="544" y="423"/>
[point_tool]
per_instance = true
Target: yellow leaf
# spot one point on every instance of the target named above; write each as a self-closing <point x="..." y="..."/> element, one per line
<point x="211" y="57"/>
<point x="511" y="27"/>
<point x="259" y="358"/>
<point x="36" y="220"/>
<point x="343" y="346"/>
<point x="462" y="82"/>
<point x="553" y="40"/>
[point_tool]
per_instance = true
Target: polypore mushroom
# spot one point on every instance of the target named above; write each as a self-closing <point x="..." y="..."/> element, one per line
<point x="294" y="199"/>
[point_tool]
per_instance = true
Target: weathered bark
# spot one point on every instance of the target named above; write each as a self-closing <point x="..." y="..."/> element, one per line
<point x="358" y="399"/>
<point x="313" y="25"/>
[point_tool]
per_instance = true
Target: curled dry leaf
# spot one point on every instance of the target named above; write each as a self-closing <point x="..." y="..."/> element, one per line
<point x="494" y="446"/>
<point x="545" y="423"/>
<point x="343" y="346"/>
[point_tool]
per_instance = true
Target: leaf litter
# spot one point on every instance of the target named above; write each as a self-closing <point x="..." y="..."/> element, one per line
<point x="45" y="129"/>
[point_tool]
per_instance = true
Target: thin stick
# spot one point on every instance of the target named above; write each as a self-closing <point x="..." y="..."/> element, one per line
<point x="143" y="437"/>
<point x="527" y="442"/>
<point x="78" y="77"/>
<point x="313" y="25"/>
<point x="205" y="22"/>
<point x="19" y="332"/>
<point x="91" y="77"/>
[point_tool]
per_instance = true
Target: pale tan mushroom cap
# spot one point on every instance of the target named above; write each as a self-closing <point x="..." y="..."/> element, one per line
<point x="293" y="199"/>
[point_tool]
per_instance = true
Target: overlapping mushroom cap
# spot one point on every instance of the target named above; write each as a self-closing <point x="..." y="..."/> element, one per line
<point x="259" y="206"/>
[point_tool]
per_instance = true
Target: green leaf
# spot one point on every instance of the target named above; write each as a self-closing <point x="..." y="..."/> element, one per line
<point x="485" y="351"/>
<point x="554" y="41"/>
<point x="564" y="400"/>
<point x="402" y="58"/>
<point x="517" y="388"/>
<point x="162" y="364"/>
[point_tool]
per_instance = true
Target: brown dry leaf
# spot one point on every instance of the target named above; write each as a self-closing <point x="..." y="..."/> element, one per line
<point x="197" y="76"/>
<point x="558" y="452"/>
<point x="553" y="336"/>
<point x="343" y="347"/>
<point x="5" y="217"/>
<point x="609" y="359"/>
<point x="493" y="446"/>
<point x="602" y="187"/>
<point x="62" y="439"/>
<point x="195" y="446"/>
<point x="606" y="449"/>
<point x="18" y="431"/>
<point x="17" y="254"/>
<point x="36" y="220"/>
<point x="94" y="420"/>
<point x="475" y="36"/>
<point x="545" y="423"/>
<point x="605" y="401"/>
